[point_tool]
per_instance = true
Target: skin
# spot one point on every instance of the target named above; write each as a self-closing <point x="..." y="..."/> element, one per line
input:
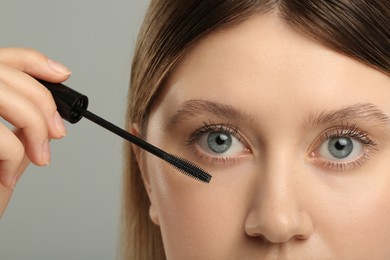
<point x="273" y="197"/>
<point x="30" y="108"/>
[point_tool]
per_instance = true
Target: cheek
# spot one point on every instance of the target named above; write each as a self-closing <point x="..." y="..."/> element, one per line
<point x="198" y="220"/>
<point x="356" y="221"/>
<point x="363" y="229"/>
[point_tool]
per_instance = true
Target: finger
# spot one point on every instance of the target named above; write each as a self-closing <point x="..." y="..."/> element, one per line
<point x="24" y="162"/>
<point x="23" y="114"/>
<point x="11" y="156"/>
<point x="6" y="189"/>
<point x="34" y="63"/>
<point x="5" y="195"/>
<point x="39" y="95"/>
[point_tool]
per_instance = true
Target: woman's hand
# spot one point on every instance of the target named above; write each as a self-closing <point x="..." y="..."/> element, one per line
<point x="30" y="108"/>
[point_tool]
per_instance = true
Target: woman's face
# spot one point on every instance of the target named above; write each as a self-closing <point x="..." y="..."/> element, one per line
<point x="296" y="137"/>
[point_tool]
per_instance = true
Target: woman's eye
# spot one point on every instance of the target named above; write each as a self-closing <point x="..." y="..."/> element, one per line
<point x="220" y="143"/>
<point x="341" y="149"/>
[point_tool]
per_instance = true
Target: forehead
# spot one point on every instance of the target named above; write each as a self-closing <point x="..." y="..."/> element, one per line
<point x="263" y="63"/>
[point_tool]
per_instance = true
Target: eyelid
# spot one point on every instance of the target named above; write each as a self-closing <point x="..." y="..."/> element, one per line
<point x="213" y="127"/>
<point x="348" y="130"/>
<point x="343" y="130"/>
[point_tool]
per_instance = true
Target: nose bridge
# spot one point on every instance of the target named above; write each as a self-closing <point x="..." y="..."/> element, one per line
<point x="280" y="177"/>
<point x="278" y="212"/>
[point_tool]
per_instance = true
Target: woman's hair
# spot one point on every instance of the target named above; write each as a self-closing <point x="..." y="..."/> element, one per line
<point x="356" y="28"/>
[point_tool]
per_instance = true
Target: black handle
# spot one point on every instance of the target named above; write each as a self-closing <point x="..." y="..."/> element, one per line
<point x="70" y="104"/>
<point x="73" y="105"/>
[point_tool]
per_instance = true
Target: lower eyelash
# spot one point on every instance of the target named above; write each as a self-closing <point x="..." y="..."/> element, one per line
<point x="214" y="159"/>
<point x="351" y="131"/>
<point x="343" y="166"/>
<point x="209" y="127"/>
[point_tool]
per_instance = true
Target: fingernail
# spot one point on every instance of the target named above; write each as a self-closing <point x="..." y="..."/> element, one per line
<point x="46" y="152"/>
<point x="59" y="124"/>
<point x="58" y="67"/>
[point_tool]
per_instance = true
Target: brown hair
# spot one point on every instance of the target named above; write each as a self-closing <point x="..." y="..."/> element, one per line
<point x="357" y="28"/>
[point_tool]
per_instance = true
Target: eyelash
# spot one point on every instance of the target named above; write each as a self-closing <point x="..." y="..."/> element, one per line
<point x="207" y="128"/>
<point x="350" y="131"/>
<point x="343" y="130"/>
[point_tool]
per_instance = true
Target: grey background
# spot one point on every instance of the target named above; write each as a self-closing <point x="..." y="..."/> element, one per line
<point x="70" y="209"/>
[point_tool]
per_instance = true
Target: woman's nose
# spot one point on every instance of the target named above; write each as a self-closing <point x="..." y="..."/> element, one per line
<point x="278" y="213"/>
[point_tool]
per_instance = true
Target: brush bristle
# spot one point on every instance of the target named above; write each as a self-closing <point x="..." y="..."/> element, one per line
<point x="188" y="168"/>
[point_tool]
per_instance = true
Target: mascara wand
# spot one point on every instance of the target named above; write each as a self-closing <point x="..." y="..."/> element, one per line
<point x="73" y="105"/>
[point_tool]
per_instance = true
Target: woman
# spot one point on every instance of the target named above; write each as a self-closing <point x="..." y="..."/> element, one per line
<point x="285" y="103"/>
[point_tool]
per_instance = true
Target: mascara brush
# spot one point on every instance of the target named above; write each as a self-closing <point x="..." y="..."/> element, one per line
<point x="73" y="105"/>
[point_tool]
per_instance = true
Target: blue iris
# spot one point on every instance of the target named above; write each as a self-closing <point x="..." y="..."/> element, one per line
<point x="340" y="147"/>
<point x="219" y="142"/>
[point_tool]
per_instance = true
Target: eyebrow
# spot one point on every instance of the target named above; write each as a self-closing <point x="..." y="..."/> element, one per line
<point x="200" y="107"/>
<point x="366" y="112"/>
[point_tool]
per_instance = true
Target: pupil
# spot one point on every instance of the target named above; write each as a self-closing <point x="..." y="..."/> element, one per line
<point x="341" y="143"/>
<point x="340" y="147"/>
<point x="219" y="142"/>
<point x="221" y="139"/>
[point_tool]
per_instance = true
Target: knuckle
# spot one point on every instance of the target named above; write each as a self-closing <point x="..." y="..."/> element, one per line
<point x="17" y="151"/>
<point x="35" y="122"/>
<point x="33" y="53"/>
<point x="46" y="101"/>
<point x="21" y="58"/>
<point x="40" y="122"/>
<point x="44" y="95"/>
<point x="32" y="56"/>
